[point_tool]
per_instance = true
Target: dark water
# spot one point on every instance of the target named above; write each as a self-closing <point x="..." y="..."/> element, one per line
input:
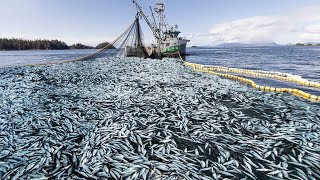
<point x="302" y="61"/>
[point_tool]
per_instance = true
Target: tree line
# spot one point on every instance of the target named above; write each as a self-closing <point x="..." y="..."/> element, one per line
<point x="42" y="44"/>
<point x="308" y="44"/>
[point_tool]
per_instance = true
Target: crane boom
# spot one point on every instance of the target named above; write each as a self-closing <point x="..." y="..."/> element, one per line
<point x="153" y="29"/>
<point x="154" y="19"/>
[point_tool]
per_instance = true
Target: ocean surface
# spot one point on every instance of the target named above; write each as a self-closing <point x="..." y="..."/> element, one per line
<point x="19" y="58"/>
<point x="152" y="119"/>
<point x="302" y="61"/>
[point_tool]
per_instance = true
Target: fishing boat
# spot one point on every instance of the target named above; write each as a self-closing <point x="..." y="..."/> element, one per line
<point x="167" y="40"/>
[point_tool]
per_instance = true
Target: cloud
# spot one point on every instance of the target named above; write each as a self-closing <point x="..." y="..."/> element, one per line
<point x="313" y="29"/>
<point x="300" y="25"/>
<point x="310" y="37"/>
<point x="311" y="33"/>
<point x="255" y="29"/>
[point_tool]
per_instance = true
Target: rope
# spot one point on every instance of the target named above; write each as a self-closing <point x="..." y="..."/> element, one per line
<point x="87" y="56"/>
<point x="274" y="75"/>
<point x="295" y="92"/>
<point x="173" y="55"/>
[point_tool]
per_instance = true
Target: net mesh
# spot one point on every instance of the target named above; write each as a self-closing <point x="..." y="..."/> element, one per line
<point x="129" y="44"/>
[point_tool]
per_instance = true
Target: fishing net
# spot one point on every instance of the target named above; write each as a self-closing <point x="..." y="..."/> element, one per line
<point x="129" y="44"/>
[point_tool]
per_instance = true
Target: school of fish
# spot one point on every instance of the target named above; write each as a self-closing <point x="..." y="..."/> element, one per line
<point x="132" y="118"/>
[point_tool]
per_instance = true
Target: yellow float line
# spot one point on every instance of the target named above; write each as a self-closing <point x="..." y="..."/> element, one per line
<point x="274" y="75"/>
<point x="253" y="71"/>
<point x="295" y="92"/>
<point x="175" y="53"/>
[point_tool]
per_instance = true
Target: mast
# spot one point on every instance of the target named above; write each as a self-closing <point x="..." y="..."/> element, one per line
<point x="155" y="30"/>
<point x="159" y="9"/>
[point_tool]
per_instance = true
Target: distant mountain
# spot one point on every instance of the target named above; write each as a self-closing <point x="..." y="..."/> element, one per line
<point x="307" y="44"/>
<point x="232" y="45"/>
<point x="311" y="43"/>
<point x="203" y="47"/>
<point x="271" y="44"/>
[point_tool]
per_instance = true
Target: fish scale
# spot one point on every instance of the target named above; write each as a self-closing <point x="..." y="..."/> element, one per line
<point x="111" y="118"/>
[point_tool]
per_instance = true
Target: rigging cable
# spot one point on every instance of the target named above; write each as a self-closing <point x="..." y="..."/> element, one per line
<point x="90" y="56"/>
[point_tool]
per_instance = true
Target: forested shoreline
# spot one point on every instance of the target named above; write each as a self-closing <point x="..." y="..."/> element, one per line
<point x="41" y="44"/>
<point x="307" y="44"/>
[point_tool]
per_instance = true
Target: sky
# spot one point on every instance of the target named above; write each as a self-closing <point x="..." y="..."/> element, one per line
<point x="204" y="22"/>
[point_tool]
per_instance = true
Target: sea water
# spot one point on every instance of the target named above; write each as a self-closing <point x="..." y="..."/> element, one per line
<point x="116" y="117"/>
<point x="301" y="61"/>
